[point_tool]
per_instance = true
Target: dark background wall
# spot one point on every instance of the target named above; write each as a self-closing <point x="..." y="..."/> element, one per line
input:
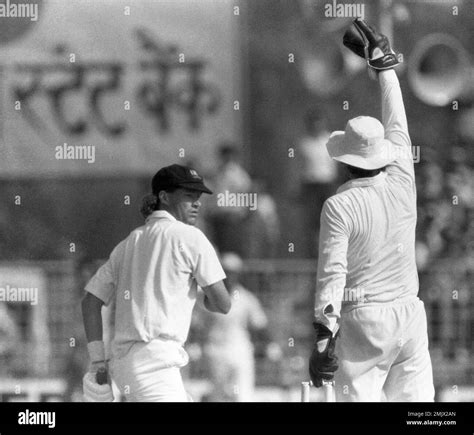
<point x="90" y="212"/>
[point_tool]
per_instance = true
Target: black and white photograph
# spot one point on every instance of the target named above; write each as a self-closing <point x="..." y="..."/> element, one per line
<point x="250" y="211"/>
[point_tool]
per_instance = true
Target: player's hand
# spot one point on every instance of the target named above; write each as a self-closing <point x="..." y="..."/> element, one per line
<point x="93" y="391"/>
<point x="99" y="366"/>
<point x="96" y="383"/>
<point x="101" y="372"/>
<point x="323" y="361"/>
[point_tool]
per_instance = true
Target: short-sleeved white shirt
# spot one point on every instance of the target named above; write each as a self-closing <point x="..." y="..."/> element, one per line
<point x="153" y="275"/>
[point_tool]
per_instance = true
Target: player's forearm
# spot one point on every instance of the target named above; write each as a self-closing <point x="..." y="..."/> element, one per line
<point x="92" y="317"/>
<point x="332" y="265"/>
<point x="217" y="298"/>
<point x="203" y="301"/>
<point x="330" y="291"/>
<point x="327" y="308"/>
<point x="210" y="306"/>
<point x="393" y="109"/>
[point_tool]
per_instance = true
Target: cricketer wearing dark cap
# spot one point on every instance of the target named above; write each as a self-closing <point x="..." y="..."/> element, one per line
<point x="176" y="189"/>
<point x="175" y="176"/>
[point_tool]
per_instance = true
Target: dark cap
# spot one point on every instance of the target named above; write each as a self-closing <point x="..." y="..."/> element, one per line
<point x="178" y="176"/>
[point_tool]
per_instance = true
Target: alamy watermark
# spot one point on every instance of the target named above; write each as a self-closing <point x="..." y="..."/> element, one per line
<point x="347" y="295"/>
<point x="19" y="294"/>
<point x="336" y="10"/>
<point x="403" y="153"/>
<point x="20" y="10"/>
<point x="46" y="418"/>
<point x="75" y="152"/>
<point x="229" y="199"/>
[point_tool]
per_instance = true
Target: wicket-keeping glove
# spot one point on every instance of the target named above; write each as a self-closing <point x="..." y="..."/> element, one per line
<point x="323" y="361"/>
<point x="366" y="42"/>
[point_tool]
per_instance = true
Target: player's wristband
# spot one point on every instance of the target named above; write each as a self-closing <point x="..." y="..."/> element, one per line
<point x="96" y="351"/>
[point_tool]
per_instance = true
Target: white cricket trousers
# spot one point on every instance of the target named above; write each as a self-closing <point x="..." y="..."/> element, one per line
<point x="383" y="354"/>
<point x="150" y="372"/>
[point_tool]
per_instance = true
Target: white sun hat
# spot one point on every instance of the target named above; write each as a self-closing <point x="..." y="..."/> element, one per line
<point x="362" y="144"/>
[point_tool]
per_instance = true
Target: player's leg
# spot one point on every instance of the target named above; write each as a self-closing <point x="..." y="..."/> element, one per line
<point x="149" y="373"/>
<point x="149" y="384"/>
<point x="245" y="375"/>
<point x="165" y="385"/>
<point x="366" y="348"/>
<point x="220" y="375"/>
<point x="410" y="378"/>
<point x="357" y="380"/>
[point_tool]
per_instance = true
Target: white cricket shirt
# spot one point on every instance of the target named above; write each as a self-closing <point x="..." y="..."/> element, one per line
<point x="367" y="234"/>
<point x="153" y="275"/>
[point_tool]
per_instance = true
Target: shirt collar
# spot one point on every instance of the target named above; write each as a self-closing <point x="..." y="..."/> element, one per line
<point x="161" y="214"/>
<point x="363" y="182"/>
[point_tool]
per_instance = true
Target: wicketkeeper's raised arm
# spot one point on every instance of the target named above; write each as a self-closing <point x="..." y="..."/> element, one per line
<point x="396" y="128"/>
<point x="393" y="110"/>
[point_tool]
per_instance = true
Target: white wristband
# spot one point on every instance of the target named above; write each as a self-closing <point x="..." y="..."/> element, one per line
<point x="96" y="351"/>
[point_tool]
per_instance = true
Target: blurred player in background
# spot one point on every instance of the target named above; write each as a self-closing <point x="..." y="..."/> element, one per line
<point x="228" y="223"/>
<point x="318" y="174"/>
<point x="153" y="276"/>
<point x="367" y="282"/>
<point x="262" y="227"/>
<point x="228" y="350"/>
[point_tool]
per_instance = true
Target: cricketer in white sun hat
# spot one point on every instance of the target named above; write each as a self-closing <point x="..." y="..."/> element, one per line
<point x="362" y="144"/>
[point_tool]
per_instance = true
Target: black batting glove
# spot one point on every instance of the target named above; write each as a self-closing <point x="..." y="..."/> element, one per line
<point x="102" y="376"/>
<point x="323" y="361"/>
